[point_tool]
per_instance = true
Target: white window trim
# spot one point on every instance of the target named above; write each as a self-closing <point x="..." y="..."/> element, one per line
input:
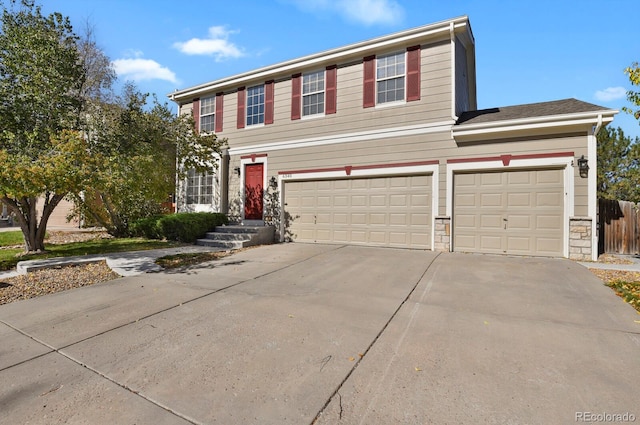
<point x="201" y="115"/>
<point x="395" y="102"/>
<point x="566" y="163"/>
<point x="246" y="106"/>
<point x="323" y="91"/>
<point x="433" y="170"/>
<point x="214" y="206"/>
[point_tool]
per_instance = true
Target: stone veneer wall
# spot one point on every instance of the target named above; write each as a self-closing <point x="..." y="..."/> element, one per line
<point x="442" y="234"/>
<point x="580" y="238"/>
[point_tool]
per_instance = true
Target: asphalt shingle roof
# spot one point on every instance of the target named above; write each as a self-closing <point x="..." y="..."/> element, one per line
<point x="542" y="109"/>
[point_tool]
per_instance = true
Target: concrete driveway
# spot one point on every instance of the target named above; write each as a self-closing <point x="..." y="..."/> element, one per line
<point x="325" y="334"/>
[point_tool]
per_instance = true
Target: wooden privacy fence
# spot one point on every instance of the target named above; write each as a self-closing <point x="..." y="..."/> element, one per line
<point x="619" y="227"/>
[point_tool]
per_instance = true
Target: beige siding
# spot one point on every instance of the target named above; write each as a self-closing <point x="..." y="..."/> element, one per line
<point x="438" y="146"/>
<point x="434" y="106"/>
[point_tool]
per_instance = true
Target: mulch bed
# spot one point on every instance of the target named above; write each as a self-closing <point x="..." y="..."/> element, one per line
<point x="49" y="281"/>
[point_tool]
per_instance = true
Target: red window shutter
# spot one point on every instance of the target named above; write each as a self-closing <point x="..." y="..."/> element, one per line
<point x="241" y="107"/>
<point x="369" y="89"/>
<point x="268" y="102"/>
<point x="413" y="73"/>
<point x="331" y="89"/>
<point x="219" y="112"/>
<point x="296" y="94"/>
<point x="196" y="113"/>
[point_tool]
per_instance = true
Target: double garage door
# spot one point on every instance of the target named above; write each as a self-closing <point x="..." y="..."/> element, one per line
<point x="390" y="211"/>
<point x="503" y="212"/>
<point x="513" y="212"/>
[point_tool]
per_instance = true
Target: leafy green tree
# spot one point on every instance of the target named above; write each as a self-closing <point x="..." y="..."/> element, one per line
<point x="40" y="80"/>
<point x="618" y="165"/>
<point x="633" y="72"/>
<point x="135" y="147"/>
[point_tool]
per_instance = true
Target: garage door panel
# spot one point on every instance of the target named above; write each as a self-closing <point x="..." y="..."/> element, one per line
<point x="549" y="245"/>
<point x="420" y="219"/>
<point x="398" y="219"/>
<point x="516" y="211"/>
<point x="377" y="219"/>
<point x="398" y="201"/>
<point x="552" y="199"/>
<point x="490" y="243"/>
<point x="520" y="245"/>
<point x="466" y="199"/>
<point x="490" y="179"/>
<point x="398" y="238"/>
<point x="388" y="211"/>
<point x="518" y="200"/>
<point x="519" y="222"/>
<point x="378" y="200"/>
<point x="358" y="219"/>
<point x="490" y="221"/>
<point x="520" y="178"/>
<point x="548" y="222"/>
<point x="491" y="200"/>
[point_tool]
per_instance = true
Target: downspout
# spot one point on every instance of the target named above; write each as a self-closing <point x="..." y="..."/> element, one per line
<point x="224" y="182"/>
<point x="592" y="154"/>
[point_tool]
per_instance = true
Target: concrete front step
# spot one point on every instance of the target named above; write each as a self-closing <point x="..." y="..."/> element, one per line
<point x="238" y="236"/>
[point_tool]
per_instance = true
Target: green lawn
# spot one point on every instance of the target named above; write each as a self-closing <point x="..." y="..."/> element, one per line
<point x="10" y="257"/>
<point x="11" y="238"/>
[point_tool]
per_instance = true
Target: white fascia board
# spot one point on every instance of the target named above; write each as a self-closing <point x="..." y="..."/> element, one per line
<point x="438" y="127"/>
<point x="532" y="123"/>
<point x="313" y="60"/>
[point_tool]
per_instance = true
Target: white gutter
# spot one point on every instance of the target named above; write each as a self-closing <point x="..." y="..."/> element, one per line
<point x="592" y="200"/>
<point x="315" y="59"/>
<point x="525" y="123"/>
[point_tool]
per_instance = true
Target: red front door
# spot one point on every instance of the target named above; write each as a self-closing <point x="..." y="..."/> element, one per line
<point x="253" y="177"/>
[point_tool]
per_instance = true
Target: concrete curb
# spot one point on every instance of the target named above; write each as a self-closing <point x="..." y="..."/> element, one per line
<point x="129" y="263"/>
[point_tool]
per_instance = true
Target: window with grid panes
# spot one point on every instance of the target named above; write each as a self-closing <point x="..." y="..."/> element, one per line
<point x="390" y="77"/>
<point x="255" y="105"/>
<point x="199" y="188"/>
<point x="207" y="114"/>
<point x="313" y="93"/>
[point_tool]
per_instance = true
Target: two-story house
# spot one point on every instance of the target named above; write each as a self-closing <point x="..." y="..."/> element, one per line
<point x="381" y="143"/>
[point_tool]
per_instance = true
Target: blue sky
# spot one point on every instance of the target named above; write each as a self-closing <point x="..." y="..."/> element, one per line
<point x="526" y="51"/>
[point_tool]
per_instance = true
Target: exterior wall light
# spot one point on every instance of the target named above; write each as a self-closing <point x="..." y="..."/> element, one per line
<point x="583" y="166"/>
<point x="273" y="182"/>
<point x="237" y="170"/>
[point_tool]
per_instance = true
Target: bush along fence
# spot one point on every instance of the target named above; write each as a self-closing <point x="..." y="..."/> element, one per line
<point x="619" y="227"/>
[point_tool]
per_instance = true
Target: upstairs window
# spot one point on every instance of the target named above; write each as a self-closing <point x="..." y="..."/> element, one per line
<point x="207" y="114"/>
<point x="390" y="77"/>
<point x="199" y="188"/>
<point x="255" y="105"/>
<point x="313" y="93"/>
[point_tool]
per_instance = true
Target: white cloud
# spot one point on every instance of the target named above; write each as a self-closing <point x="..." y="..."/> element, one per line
<point x="217" y="44"/>
<point x="367" y="12"/>
<point x="611" y="93"/>
<point x="139" y="69"/>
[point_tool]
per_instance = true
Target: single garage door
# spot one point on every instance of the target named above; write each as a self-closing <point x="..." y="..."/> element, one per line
<point x="384" y="211"/>
<point x="512" y="212"/>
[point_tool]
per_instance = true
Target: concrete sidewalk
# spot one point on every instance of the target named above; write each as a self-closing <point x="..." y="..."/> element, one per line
<point x="325" y="334"/>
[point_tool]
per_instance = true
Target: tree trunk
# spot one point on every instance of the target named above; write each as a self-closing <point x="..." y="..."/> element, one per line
<point x="26" y="213"/>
